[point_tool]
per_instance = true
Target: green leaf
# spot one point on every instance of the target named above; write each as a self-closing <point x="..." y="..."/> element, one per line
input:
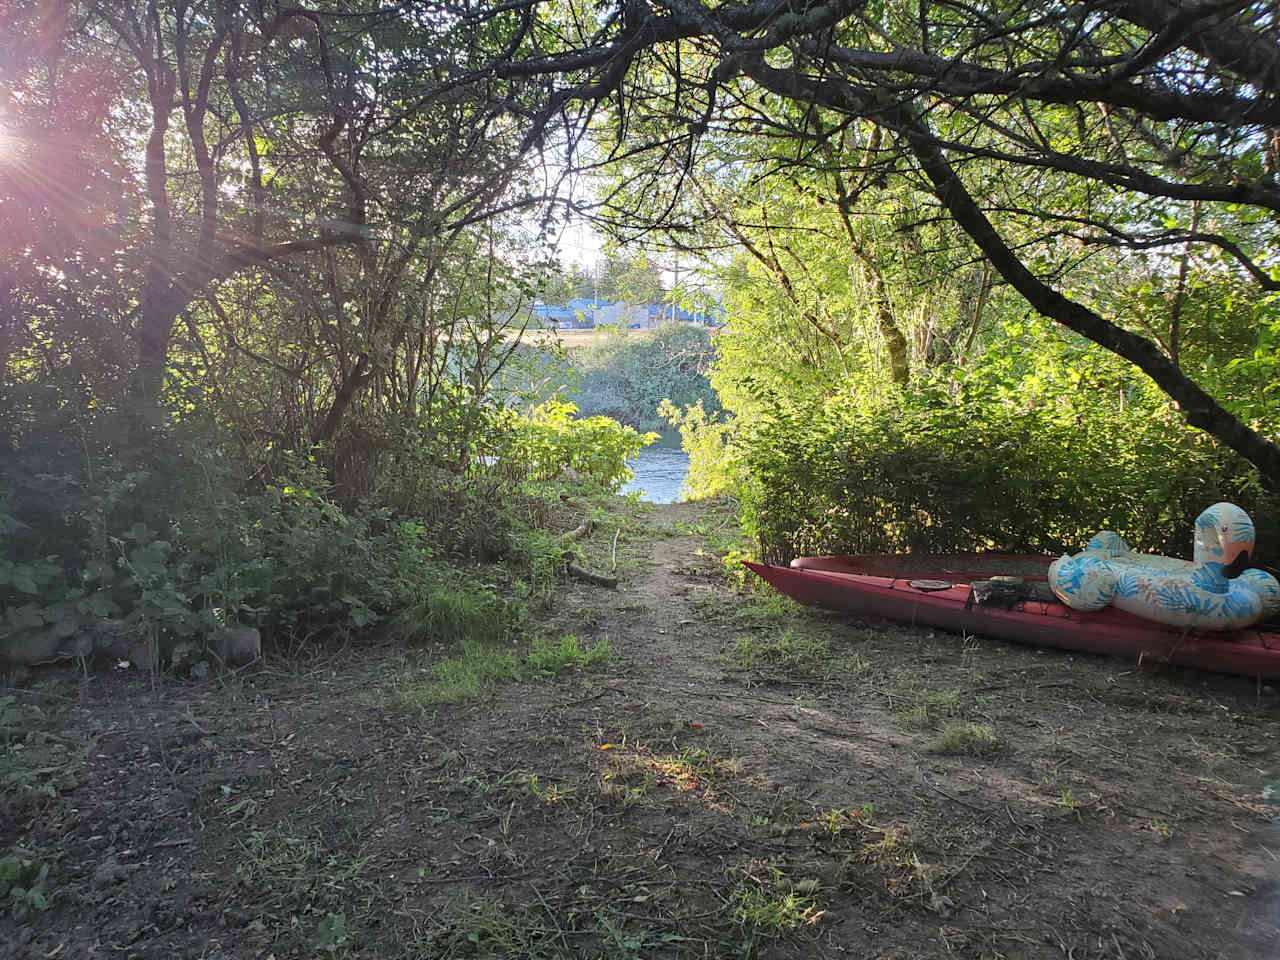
<point x="331" y="932"/>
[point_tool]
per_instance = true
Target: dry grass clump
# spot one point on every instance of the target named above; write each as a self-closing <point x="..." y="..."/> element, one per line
<point x="959" y="738"/>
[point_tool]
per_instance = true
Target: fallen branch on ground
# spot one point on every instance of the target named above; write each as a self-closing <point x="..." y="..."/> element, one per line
<point x="578" y="573"/>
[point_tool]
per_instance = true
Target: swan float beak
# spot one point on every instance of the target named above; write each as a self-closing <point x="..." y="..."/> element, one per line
<point x="1237" y="566"/>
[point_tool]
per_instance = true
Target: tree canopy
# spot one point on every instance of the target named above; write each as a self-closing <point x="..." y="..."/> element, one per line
<point x="326" y="191"/>
<point x="1047" y="135"/>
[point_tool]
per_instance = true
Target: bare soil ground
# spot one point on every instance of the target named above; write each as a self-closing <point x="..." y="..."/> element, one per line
<point x="742" y="778"/>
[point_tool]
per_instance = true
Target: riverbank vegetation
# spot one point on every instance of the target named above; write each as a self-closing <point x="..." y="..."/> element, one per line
<point x="886" y="385"/>
<point x="625" y="375"/>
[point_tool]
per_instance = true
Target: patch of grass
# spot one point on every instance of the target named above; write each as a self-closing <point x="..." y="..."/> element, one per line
<point x="620" y="529"/>
<point x="769" y="608"/>
<point x="894" y="853"/>
<point x="870" y="856"/>
<point x="480" y="666"/>
<point x="486" y="927"/>
<point x="466" y="677"/>
<point x="541" y="556"/>
<point x="691" y="768"/>
<point x="631" y="773"/>
<point x="552" y="656"/>
<point x="790" y="651"/>
<point x="719" y="520"/>
<point x="958" y="738"/>
<point x="723" y="538"/>
<point x="34" y="762"/>
<point x="854" y="665"/>
<point x="628" y="779"/>
<point x="15" y="719"/>
<point x="301" y="876"/>
<point x="490" y="928"/>
<point x="764" y="900"/>
<point x="548" y="793"/>
<point x="458" y="614"/>
<point x="919" y="707"/>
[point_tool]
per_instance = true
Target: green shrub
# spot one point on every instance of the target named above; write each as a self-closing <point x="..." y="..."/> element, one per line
<point x="705" y="438"/>
<point x="461" y="513"/>
<point x="933" y="474"/>
<point x="178" y="551"/>
<point x="552" y="440"/>
<point x="291" y="559"/>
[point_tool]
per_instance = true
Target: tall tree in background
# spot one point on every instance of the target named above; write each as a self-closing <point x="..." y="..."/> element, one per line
<point x="632" y="277"/>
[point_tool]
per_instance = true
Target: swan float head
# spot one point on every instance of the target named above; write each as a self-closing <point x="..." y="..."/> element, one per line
<point x="1215" y="591"/>
<point x="1225" y="537"/>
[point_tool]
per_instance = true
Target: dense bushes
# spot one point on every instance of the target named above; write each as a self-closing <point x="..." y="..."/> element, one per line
<point x="178" y="549"/>
<point x="932" y="474"/>
<point x="1018" y="436"/>
<point x="169" y="540"/>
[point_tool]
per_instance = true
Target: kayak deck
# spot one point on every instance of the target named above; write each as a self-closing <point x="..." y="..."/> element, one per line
<point x="837" y="583"/>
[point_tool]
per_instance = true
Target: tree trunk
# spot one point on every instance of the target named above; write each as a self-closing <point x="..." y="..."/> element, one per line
<point x="894" y="340"/>
<point x="351" y="386"/>
<point x="154" y="332"/>
<point x="984" y="290"/>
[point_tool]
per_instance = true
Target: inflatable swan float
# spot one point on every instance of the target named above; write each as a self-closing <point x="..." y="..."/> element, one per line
<point x="1215" y="591"/>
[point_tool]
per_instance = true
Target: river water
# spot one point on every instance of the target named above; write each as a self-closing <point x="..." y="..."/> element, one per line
<point x="659" y="471"/>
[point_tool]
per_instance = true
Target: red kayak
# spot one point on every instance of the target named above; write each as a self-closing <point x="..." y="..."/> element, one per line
<point x="935" y="591"/>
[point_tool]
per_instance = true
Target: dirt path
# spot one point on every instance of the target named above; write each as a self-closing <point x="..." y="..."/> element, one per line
<point x="743" y="778"/>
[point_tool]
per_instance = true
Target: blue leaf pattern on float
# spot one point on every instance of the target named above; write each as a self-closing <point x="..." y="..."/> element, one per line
<point x="1194" y="594"/>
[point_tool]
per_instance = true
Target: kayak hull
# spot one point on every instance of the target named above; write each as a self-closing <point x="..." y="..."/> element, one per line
<point x="851" y="585"/>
